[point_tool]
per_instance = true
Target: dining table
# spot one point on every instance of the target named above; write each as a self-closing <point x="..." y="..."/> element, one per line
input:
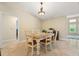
<point x="40" y="36"/>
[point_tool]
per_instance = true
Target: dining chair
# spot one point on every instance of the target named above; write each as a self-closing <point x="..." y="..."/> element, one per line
<point x="54" y="37"/>
<point x="47" y="41"/>
<point x="31" y="43"/>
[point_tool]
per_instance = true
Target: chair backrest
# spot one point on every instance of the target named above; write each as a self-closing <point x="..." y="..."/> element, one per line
<point x="49" y="37"/>
<point x="28" y="35"/>
<point x="29" y="38"/>
<point x="55" y="35"/>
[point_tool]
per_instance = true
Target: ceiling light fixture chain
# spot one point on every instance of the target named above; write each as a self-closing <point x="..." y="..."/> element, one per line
<point x="41" y="12"/>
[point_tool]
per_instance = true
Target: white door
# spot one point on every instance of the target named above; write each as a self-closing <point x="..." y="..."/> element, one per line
<point x="9" y="27"/>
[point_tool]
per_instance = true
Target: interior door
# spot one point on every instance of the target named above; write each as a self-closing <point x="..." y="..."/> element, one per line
<point x="9" y="27"/>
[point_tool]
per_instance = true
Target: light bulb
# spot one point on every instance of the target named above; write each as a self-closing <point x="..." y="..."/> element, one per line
<point x="41" y="13"/>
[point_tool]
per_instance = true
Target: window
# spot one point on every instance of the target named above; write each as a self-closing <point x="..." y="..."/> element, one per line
<point x="72" y="26"/>
<point x="72" y="20"/>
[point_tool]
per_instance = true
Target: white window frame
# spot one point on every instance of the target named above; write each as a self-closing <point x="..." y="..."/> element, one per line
<point x="73" y="23"/>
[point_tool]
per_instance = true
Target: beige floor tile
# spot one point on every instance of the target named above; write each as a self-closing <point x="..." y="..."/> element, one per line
<point x="60" y="48"/>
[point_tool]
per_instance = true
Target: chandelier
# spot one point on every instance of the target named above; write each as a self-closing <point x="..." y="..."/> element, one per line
<point x="41" y="12"/>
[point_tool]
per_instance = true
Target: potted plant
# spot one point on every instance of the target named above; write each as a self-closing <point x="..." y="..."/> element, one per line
<point x="44" y="31"/>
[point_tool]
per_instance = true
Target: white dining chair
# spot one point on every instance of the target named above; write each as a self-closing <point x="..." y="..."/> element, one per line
<point x="47" y="41"/>
<point x="32" y="44"/>
<point x="54" y="37"/>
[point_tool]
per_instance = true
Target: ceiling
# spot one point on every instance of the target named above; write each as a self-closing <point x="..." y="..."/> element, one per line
<point x="52" y="9"/>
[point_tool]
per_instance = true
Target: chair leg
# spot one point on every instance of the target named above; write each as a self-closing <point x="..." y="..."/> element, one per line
<point x="45" y="48"/>
<point x="27" y="50"/>
<point x="32" y="51"/>
<point x="38" y="47"/>
<point x="50" y="46"/>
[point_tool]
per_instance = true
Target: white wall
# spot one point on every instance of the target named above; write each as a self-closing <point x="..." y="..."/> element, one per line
<point x="60" y="24"/>
<point x="1" y="27"/>
<point x="78" y="25"/>
<point x="26" y="22"/>
<point x="2" y="8"/>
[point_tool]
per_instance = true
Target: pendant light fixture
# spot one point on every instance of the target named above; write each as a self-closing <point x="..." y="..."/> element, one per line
<point x="41" y="12"/>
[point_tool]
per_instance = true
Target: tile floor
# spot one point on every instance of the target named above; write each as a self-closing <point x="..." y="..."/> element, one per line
<point x="63" y="48"/>
<point x="60" y="48"/>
